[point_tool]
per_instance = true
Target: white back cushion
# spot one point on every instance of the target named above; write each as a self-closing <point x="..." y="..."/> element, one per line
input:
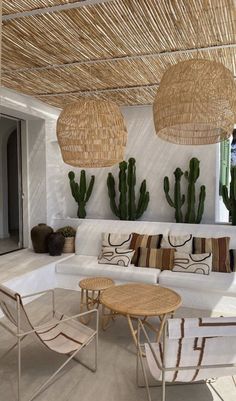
<point x="89" y="232"/>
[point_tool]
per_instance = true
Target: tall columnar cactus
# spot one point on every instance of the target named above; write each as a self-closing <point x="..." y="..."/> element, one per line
<point x="179" y="199"/>
<point x="192" y="176"/>
<point x="230" y="199"/>
<point x="81" y="192"/>
<point x="127" y="209"/>
<point x="192" y="216"/>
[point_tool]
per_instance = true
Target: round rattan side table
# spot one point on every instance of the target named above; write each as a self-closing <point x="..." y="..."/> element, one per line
<point x="140" y="301"/>
<point x="91" y="289"/>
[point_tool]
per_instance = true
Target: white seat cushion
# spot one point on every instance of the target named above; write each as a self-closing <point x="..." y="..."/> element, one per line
<point x="215" y="282"/>
<point x="89" y="266"/>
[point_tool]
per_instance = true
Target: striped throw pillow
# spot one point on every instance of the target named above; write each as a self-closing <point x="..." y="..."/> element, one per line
<point x="232" y="256"/>
<point x="144" y="241"/>
<point x="158" y="258"/>
<point x="219" y="247"/>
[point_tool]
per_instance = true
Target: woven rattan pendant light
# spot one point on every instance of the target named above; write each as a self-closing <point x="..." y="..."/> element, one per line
<point x="91" y="133"/>
<point x="195" y="103"/>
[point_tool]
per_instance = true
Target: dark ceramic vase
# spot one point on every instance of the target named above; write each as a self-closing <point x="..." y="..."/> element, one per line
<point x="39" y="237"/>
<point x="56" y="243"/>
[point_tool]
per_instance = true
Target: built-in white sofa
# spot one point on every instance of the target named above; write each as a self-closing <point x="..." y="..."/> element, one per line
<point x="214" y="292"/>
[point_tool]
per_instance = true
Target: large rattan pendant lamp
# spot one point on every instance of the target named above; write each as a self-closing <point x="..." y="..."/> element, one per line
<point x="91" y="133"/>
<point x="195" y="103"/>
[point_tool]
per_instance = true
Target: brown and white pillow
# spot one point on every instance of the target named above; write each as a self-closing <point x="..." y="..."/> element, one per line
<point x="181" y="243"/>
<point x="116" y="256"/>
<point x="144" y="241"/>
<point x="157" y="258"/>
<point x="193" y="263"/>
<point x="116" y="240"/>
<point x="232" y="256"/>
<point x="219" y="247"/>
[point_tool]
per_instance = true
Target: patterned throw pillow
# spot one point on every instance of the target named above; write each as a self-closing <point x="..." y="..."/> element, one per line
<point x="193" y="263"/>
<point x="158" y="258"/>
<point x="115" y="256"/>
<point x="116" y="240"/>
<point x="144" y="241"/>
<point x="219" y="247"/>
<point x="232" y="255"/>
<point x="181" y="243"/>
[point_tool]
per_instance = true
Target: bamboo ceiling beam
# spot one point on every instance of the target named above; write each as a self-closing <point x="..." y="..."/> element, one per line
<point x="122" y="58"/>
<point x="52" y="9"/>
<point x="97" y="91"/>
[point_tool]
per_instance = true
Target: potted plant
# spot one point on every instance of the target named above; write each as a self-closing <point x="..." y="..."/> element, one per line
<point x="69" y="234"/>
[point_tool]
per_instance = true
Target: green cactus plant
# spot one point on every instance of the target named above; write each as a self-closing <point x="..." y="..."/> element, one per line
<point x="192" y="176"/>
<point x="80" y="192"/>
<point x="191" y="216"/>
<point x="127" y="209"/>
<point x="179" y="199"/>
<point x="229" y="199"/>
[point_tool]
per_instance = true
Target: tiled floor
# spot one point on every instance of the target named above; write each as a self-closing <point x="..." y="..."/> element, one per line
<point x="115" y="378"/>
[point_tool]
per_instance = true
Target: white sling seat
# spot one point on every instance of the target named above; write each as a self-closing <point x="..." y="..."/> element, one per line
<point x="192" y="349"/>
<point x="62" y="334"/>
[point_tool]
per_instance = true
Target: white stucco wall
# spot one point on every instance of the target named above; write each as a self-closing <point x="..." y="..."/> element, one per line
<point x="155" y="159"/>
<point x="47" y="187"/>
<point x="36" y="118"/>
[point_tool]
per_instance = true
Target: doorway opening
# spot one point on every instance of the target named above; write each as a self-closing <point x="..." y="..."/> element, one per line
<point x="11" y="216"/>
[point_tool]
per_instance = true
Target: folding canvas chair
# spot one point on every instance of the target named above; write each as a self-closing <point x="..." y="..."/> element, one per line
<point x="191" y="350"/>
<point x="62" y="334"/>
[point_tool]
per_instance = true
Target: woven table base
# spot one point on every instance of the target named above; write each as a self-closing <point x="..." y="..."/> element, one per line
<point x="91" y="289"/>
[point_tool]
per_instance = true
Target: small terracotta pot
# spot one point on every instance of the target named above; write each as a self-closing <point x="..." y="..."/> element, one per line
<point x="56" y="242"/>
<point x="39" y="237"/>
<point x="69" y="246"/>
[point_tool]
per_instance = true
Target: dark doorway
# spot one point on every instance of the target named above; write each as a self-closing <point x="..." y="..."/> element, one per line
<point x="10" y="174"/>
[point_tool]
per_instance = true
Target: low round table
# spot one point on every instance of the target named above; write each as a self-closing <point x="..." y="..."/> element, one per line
<point x="140" y="301"/>
<point x="91" y="289"/>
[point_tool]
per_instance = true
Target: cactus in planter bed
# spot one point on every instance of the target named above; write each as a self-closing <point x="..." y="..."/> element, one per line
<point x="230" y="199"/>
<point x="179" y="199"/>
<point x="81" y="192"/>
<point x="192" y="176"/>
<point x="127" y="209"/>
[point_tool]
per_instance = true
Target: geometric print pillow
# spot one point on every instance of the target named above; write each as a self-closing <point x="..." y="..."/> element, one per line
<point x="116" y="240"/>
<point x="115" y="256"/>
<point x="219" y="247"/>
<point x="193" y="263"/>
<point x="181" y="243"/>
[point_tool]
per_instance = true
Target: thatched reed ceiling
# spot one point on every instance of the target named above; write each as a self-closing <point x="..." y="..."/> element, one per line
<point x="114" y="50"/>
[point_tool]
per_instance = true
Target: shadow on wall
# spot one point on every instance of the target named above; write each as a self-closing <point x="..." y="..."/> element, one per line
<point x="155" y="159"/>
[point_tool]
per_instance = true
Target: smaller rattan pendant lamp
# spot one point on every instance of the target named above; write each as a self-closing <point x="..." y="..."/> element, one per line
<point x="91" y="133"/>
<point x="195" y="103"/>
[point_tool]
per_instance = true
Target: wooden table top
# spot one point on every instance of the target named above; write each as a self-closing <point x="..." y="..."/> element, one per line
<point x="96" y="283"/>
<point x="140" y="299"/>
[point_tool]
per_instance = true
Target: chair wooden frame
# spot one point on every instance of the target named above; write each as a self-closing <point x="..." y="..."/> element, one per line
<point x="21" y="335"/>
<point x="163" y="369"/>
